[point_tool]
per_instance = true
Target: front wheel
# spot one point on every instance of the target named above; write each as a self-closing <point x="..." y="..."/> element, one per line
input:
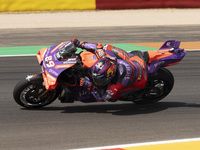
<point x="32" y="95"/>
<point x="157" y="87"/>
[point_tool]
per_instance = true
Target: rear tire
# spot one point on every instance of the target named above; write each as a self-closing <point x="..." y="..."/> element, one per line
<point x="32" y="95"/>
<point x="158" y="87"/>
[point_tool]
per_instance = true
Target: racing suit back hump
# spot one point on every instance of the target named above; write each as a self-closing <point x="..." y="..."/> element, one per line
<point x="131" y="75"/>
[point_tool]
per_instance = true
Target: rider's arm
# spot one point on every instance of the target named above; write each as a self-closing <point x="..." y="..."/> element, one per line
<point x="119" y="53"/>
<point x="96" y="48"/>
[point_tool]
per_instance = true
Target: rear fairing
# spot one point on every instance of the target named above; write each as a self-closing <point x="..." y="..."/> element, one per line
<point x="169" y="54"/>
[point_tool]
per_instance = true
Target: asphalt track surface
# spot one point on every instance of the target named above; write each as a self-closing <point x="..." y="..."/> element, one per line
<point x="67" y="126"/>
<point x="51" y="36"/>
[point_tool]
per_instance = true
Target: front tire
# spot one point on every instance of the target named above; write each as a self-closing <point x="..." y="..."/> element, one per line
<point x="32" y="95"/>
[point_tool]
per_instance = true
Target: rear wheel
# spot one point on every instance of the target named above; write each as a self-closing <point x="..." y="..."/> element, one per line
<point x="157" y="87"/>
<point x="32" y="95"/>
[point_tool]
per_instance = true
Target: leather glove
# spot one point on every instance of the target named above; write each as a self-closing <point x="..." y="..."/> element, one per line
<point x="85" y="82"/>
<point x="78" y="43"/>
<point x="75" y="41"/>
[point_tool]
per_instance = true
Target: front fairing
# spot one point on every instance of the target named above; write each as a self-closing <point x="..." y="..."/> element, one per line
<point x="51" y="66"/>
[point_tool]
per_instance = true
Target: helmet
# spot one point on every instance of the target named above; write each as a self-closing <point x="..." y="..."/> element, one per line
<point x="103" y="71"/>
<point x="66" y="52"/>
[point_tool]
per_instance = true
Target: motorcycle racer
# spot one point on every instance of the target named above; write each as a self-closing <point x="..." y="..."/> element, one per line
<point x="119" y="72"/>
<point x="101" y="73"/>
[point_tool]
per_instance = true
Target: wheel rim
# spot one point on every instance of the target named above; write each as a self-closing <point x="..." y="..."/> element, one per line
<point x="36" y="96"/>
<point x="157" y="89"/>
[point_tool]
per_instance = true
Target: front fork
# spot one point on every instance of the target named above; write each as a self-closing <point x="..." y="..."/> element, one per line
<point x="37" y="78"/>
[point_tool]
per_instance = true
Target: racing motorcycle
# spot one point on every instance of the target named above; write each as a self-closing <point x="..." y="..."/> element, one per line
<point x="40" y="89"/>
